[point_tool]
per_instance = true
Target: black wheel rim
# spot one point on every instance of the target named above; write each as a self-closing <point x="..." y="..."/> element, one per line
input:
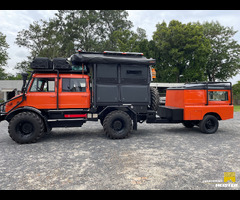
<point x="25" y="128"/>
<point x="210" y="124"/>
<point x="117" y="125"/>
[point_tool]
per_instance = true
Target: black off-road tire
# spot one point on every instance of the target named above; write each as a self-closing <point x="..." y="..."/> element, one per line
<point x="101" y="121"/>
<point x="209" y="124"/>
<point x="117" y="125"/>
<point x="154" y="98"/>
<point x="26" y="127"/>
<point x="188" y="124"/>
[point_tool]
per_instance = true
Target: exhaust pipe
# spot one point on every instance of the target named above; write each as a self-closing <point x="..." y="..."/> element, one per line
<point x="24" y="78"/>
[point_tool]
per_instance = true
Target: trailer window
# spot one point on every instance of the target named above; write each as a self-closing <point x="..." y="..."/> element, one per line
<point x="74" y="85"/>
<point x="43" y="85"/>
<point x="218" y="96"/>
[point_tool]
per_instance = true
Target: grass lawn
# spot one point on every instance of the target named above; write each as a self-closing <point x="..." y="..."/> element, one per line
<point x="236" y="108"/>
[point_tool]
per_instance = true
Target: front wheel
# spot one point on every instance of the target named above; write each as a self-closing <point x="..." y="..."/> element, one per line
<point x="26" y="127"/>
<point x="209" y="124"/>
<point x="117" y="124"/>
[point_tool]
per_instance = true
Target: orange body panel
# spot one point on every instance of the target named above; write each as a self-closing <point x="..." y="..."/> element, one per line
<point x="74" y="99"/>
<point x="48" y="100"/>
<point x="194" y="104"/>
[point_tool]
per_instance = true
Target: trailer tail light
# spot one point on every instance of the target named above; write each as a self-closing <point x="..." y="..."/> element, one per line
<point x="75" y="116"/>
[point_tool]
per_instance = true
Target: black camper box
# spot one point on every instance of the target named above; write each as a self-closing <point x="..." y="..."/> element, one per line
<point x="118" y="78"/>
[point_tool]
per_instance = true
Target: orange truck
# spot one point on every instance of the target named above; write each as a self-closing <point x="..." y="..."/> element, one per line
<point x="110" y="87"/>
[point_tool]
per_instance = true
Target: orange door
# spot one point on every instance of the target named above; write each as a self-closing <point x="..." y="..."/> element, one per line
<point x="74" y="91"/>
<point x="42" y="93"/>
<point x="45" y="101"/>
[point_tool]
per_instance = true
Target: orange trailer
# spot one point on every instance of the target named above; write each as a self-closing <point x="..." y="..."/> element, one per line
<point x="201" y="104"/>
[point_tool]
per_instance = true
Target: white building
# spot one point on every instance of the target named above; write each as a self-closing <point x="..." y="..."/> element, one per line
<point x="9" y="88"/>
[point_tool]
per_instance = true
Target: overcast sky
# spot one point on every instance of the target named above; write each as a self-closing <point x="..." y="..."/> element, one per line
<point x="13" y="21"/>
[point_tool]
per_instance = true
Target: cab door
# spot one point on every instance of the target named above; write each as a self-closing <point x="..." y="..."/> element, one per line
<point x="74" y="91"/>
<point x="42" y="93"/>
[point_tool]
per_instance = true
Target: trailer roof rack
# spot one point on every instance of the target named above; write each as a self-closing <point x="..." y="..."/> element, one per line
<point x="205" y="86"/>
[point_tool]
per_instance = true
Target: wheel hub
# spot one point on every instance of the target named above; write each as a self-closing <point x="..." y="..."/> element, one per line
<point x="26" y="128"/>
<point x="117" y="125"/>
<point x="209" y="124"/>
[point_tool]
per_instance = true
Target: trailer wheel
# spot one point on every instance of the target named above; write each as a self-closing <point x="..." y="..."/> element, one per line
<point x="26" y="127"/>
<point x="117" y="124"/>
<point x="209" y="124"/>
<point x="188" y="124"/>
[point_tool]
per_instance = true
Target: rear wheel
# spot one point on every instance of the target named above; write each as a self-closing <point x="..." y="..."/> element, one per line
<point x="117" y="124"/>
<point x="26" y="127"/>
<point x="209" y="124"/>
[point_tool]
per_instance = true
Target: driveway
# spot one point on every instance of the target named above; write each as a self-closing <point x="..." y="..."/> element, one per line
<point x="157" y="156"/>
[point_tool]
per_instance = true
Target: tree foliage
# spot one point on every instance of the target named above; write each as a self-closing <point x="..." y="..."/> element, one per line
<point x="224" y="59"/>
<point x="183" y="52"/>
<point x="236" y="90"/>
<point x="3" y="55"/>
<point x="69" y="30"/>
<point x="89" y="30"/>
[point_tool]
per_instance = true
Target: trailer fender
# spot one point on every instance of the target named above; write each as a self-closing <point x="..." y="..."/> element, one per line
<point x="10" y="115"/>
<point x="214" y="114"/>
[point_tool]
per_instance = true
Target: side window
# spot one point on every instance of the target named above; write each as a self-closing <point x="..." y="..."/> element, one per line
<point x="218" y="96"/>
<point x="134" y="74"/>
<point x="74" y="85"/>
<point x="43" y="85"/>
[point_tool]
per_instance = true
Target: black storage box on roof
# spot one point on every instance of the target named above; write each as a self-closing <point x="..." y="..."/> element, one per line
<point x="61" y="63"/>
<point x="41" y="63"/>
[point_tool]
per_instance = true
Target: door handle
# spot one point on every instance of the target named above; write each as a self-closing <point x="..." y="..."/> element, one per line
<point x="53" y="96"/>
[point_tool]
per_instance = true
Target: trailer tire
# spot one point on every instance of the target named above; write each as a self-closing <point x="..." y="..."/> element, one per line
<point x="117" y="124"/>
<point x="209" y="124"/>
<point x="154" y="98"/>
<point x="26" y="127"/>
<point x="188" y="124"/>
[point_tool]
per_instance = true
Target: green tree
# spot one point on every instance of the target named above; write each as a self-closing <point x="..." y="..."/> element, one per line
<point x="3" y="55"/>
<point x="129" y="41"/>
<point x="224" y="60"/>
<point x="69" y="30"/>
<point x="236" y="88"/>
<point x="32" y="38"/>
<point x="181" y="51"/>
<point x="236" y="91"/>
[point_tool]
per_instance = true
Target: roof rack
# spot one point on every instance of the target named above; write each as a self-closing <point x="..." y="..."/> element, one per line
<point x="123" y="53"/>
<point x="110" y="57"/>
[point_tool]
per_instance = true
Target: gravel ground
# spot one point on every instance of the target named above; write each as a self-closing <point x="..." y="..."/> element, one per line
<point x="157" y="156"/>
